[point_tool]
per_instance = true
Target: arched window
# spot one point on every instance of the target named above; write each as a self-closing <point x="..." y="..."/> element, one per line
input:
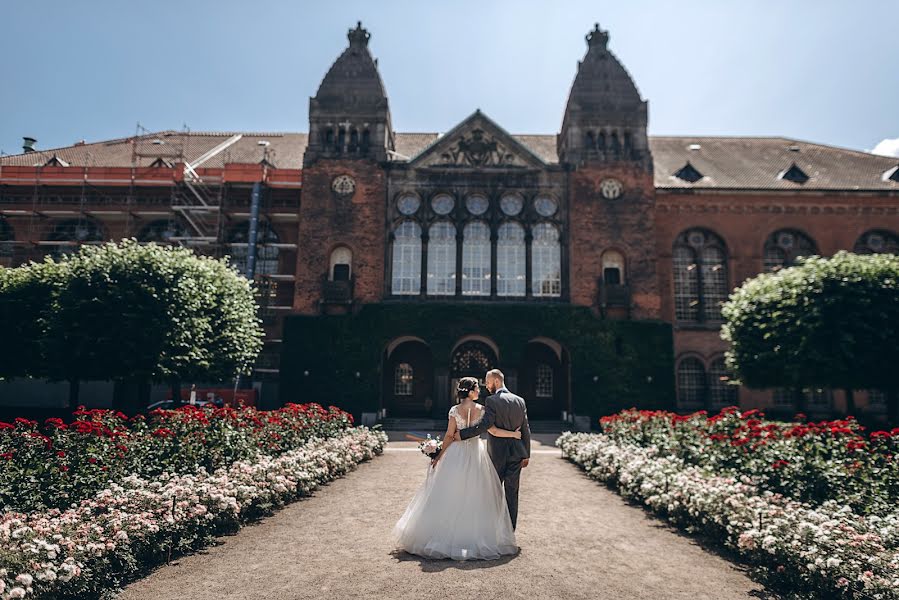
<point x="341" y="267"/>
<point x="6" y="236"/>
<point x="784" y="246"/>
<point x="877" y="242"/>
<point x="266" y="254"/>
<point x="546" y="261"/>
<point x="476" y="260"/>
<point x="612" y="267"/>
<point x="721" y="393"/>
<point x="700" y="275"/>
<point x="75" y="230"/>
<point x="691" y="382"/>
<point x="162" y="231"/>
<point x="442" y="259"/>
<point x="406" y="263"/>
<point x="510" y="260"/>
<point x="543" y="387"/>
<point x="472" y="358"/>
<point x="402" y="380"/>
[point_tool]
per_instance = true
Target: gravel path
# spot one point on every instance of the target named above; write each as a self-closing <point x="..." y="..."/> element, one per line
<point x="578" y="540"/>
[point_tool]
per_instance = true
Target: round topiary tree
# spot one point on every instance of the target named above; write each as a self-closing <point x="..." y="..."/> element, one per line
<point x="141" y="313"/>
<point x="827" y="322"/>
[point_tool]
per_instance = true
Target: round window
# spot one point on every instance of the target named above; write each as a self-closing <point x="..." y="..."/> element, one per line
<point x="546" y="206"/>
<point x="477" y="204"/>
<point x="511" y="204"/>
<point x="443" y="204"/>
<point x="408" y="204"/>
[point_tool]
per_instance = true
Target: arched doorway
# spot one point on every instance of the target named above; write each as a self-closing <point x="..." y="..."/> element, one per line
<point x="408" y="378"/>
<point x="543" y="379"/>
<point x="472" y="358"/>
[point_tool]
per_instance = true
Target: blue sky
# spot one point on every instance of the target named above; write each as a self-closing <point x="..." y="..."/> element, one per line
<point x="818" y="70"/>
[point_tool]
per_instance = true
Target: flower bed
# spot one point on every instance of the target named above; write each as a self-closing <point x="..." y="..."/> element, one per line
<point x="822" y="551"/>
<point x="57" y="464"/>
<point x="810" y="462"/>
<point x="86" y="550"/>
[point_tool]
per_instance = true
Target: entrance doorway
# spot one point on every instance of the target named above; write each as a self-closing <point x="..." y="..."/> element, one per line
<point x="408" y="379"/>
<point x="472" y="358"/>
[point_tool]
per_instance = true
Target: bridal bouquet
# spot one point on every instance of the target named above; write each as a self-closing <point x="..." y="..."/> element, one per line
<point x="430" y="447"/>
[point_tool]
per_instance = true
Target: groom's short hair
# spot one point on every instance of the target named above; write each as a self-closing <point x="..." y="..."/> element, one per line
<point x="496" y="373"/>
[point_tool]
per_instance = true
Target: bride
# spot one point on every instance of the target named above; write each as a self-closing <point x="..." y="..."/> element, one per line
<point x="460" y="511"/>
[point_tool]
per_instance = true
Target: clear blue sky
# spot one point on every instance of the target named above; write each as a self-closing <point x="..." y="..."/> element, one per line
<point x="824" y="71"/>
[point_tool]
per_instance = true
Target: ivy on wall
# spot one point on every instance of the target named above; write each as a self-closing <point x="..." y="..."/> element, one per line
<point x="632" y="361"/>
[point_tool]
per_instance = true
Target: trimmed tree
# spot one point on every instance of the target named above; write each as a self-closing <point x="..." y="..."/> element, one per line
<point x="146" y="313"/>
<point x="827" y="322"/>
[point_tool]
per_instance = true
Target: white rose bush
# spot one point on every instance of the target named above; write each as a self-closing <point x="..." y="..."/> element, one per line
<point x="795" y="511"/>
<point x="94" y="545"/>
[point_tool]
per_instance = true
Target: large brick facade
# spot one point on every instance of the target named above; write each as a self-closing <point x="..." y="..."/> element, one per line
<point x="598" y="219"/>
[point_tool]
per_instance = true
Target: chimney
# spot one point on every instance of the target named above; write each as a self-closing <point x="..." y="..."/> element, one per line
<point x="28" y="144"/>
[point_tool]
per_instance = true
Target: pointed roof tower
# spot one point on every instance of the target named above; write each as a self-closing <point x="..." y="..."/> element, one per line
<point x="605" y="119"/>
<point x="349" y="116"/>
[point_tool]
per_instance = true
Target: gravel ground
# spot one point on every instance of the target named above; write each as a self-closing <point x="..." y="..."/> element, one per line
<point x="578" y="540"/>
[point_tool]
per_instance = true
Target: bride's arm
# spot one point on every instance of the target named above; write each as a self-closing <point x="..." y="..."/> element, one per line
<point x="447" y="440"/>
<point x="504" y="433"/>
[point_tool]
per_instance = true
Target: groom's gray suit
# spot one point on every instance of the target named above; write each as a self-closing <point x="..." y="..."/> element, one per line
<point x="507" y="411"/>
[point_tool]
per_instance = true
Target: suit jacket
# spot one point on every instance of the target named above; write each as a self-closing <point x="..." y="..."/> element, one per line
<point x="507" y="411"/>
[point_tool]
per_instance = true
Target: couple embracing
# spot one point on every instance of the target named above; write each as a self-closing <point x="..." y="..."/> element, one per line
<point x="461" y="510"/>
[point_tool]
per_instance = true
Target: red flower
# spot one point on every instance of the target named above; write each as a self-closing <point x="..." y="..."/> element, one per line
<point x="63" y="468"/>
<point x="163" y="432"/>
<point x="5" y="426"/>
<point x="880" y="435"/>
<point x="6" y="455"/>
<point x="780" y="464"/>
<point x="61" y="454"/>
<point x="749" y="413"/>
<point x="92" y="460"/>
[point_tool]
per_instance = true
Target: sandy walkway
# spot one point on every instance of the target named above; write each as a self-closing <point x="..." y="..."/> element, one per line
<point x="578" y="539"/>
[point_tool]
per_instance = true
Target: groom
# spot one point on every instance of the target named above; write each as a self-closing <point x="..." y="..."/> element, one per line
<point x="507" y="411"/>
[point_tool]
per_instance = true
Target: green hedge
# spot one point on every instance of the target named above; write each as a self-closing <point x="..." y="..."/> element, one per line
<point x="633" y="360"/>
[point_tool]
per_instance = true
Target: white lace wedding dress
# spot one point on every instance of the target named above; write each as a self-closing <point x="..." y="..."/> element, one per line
<point x="459" y="511"/>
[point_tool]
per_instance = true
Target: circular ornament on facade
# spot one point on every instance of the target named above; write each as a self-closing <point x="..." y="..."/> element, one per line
<point x="343" y="185"/>
<point x="511" y="204"/>
<point x="477" y="204"/>
<point x="610" y="188"/>
<point x="876" y="242"/>
<point x="443" y="204"/>
<point x="408" y="204"/>
<point x="546" y="206"/>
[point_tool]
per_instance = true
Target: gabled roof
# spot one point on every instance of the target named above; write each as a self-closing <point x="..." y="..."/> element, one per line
<point x="474" y="123"/>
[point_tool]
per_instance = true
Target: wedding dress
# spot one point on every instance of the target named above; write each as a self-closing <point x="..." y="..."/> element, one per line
<point x="459" y="511"/>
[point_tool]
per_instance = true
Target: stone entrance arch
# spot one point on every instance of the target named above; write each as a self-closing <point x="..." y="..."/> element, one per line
<point x="543" y="379"/>
<point x="408" y="378"/>
<point x="472" y="357"/>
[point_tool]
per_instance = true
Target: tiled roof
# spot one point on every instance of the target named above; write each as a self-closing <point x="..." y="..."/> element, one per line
<point x="723" y="162"/>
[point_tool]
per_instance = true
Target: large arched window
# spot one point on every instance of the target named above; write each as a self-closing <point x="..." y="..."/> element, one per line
<point x="402" y="380"/>
<point x="266" y="254"/>
<point x="691" y="382"/>
<point x="77" y="231"/>
<point x="406" y="264"/>
<point x="476" y="260"/>
<point x="6" y="237"/>
<point x="546" y="261"/>
<point x="700" y="275"/>
<point x="877" y="242"/>
<point x="721" y="393"/>
<point x="510" y="260"/>
<point x="341" y="264"/>
<point x="162" y="232"/>
<point x="784" y="246"/>
<point x="442" y="259"/>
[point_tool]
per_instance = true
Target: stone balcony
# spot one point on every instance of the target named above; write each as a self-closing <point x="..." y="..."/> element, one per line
<point x="616" y="295"/>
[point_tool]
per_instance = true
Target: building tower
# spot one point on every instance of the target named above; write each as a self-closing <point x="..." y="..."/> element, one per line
<point x="604" y="146"/>
<point x="342" y="210"/>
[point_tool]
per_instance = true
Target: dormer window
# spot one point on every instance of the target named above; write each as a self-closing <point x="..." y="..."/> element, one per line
<point x="892" y="174"/>
<point x="794" y="174"/>
<point x="55" y="161"/>
<point x="688" y="173"/>
<point x="161" y="163"/>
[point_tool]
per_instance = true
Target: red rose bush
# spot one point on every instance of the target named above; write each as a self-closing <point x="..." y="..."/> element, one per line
<point x="160" y="503"/>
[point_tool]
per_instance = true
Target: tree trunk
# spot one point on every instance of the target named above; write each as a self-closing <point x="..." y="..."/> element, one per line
<point x="131" y="396"/>
<point x="893" y="407"/>
<point x="799" y="399"/>
<point x="850" y="402"/>
<point x="74" y="393"/>
<point x="175" y="388"/>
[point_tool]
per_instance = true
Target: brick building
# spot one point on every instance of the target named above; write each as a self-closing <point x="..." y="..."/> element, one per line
<point x="588" y="264"/>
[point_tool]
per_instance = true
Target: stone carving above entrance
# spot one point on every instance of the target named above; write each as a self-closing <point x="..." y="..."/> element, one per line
<point x="478" y="149"/>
